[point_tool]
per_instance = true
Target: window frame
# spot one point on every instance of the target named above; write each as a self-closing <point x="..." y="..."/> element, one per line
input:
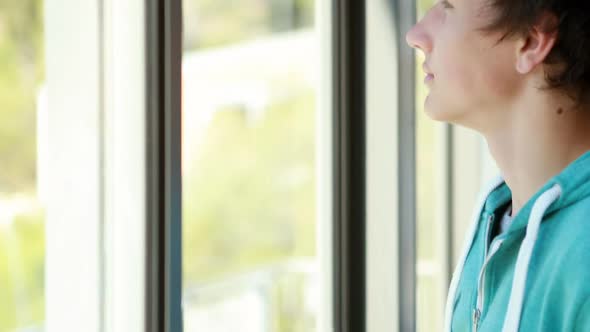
<point x="74" y="215"/>
<point x="163" y="164"/>
<point x="405" y="18"/>
<point x="349" y="164"/>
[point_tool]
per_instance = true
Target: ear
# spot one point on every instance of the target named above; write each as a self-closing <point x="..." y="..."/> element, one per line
<point x="537" y="43"/>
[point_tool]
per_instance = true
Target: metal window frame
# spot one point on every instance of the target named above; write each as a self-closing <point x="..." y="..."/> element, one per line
<point x="349" y="274"/>
<point x="163" y="153"/>
<point x="405" y="18"/>
<point x="350" y="178"/>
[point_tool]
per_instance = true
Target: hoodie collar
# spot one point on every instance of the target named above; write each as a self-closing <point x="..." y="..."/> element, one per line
<point x="574" y="181"/>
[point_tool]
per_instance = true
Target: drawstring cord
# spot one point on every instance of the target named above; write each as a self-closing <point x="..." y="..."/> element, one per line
<point x="512" y="321"/>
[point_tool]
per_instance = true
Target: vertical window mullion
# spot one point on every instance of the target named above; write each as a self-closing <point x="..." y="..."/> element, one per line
<point x="349" y="166"/>
<point x="326" y="192"/>
<point x="164" y="192"/>
<point x="124" y="165"/>
<point x="173" y="158"/>
<point x="405" y="18"/>
<point x="74" y="225"/>
<point x="391" y="188"/>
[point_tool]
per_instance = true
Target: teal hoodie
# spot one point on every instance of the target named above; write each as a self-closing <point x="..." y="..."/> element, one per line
<point x="536" y="275"/>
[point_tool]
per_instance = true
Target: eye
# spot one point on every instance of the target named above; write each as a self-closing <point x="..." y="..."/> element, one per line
<point x="446" y="4"/>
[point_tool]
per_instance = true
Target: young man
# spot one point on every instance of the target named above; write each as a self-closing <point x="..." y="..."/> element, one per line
<point x="518" y="72"/>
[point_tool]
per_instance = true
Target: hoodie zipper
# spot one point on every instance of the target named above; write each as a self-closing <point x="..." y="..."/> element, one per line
<point x="494" y="246"/>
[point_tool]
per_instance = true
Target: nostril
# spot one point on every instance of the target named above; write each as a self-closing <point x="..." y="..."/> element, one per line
<point x="418" y="37"/>
<point x="414" y="38"/>
<point x="410" y="40"/>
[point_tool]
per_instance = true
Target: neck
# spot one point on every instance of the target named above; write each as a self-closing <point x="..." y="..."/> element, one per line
<point x="536" y="141"/>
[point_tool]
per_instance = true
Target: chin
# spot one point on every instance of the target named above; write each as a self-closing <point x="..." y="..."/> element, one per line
<point x="436" y="112"/>
<point x="444" y="113"/>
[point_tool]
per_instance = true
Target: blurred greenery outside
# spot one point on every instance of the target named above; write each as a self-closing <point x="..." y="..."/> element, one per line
<point x="242" y="208"/>
<point x="249" y="192"/>
<point x="22" y="241"/>
<point x="249" y="197"/>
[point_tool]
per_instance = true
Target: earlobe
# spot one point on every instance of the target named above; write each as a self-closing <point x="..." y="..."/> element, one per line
<point x="523" y="55"/>
<point x="524" y="63"/>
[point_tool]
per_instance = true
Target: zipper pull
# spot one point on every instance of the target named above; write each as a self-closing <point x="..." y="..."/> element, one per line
<point x="476" y="316"/>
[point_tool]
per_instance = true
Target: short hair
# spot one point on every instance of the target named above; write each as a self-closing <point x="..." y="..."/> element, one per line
<point x="571" y="51"/>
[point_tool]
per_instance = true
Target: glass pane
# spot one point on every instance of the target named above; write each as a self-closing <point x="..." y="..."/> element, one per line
<point x="22" y="158"/>
<point x="431" y="288"/>
<point x="250" y="256"/>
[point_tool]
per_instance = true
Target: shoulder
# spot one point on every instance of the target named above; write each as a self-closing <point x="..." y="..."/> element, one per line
<point x="571" y="222"/>
<point x="565" y="241"/>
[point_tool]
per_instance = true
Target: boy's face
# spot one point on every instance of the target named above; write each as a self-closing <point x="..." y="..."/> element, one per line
<point x="473" y="76"/>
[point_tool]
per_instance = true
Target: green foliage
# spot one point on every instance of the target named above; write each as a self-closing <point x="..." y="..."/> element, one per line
<point x="22" y="283"/>
<point x="250" y="195"/>
<point x="22" y="244"/>
<point x="21" y="70"/>
<point x="213" y="23"/>
<point x="289" y="304"/>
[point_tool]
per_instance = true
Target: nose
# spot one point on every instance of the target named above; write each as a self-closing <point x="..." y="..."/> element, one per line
<point x="417" y="37"/>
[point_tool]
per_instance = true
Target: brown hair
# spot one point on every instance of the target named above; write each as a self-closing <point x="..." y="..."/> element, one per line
<point x="571" y="52"/>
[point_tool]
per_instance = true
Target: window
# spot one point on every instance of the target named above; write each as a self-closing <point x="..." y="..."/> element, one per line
<point x="252" y="130"/>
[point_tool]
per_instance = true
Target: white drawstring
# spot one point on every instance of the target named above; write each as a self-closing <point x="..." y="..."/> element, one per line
<point x="466" y="246"/>
<point x="512" y="320"/>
